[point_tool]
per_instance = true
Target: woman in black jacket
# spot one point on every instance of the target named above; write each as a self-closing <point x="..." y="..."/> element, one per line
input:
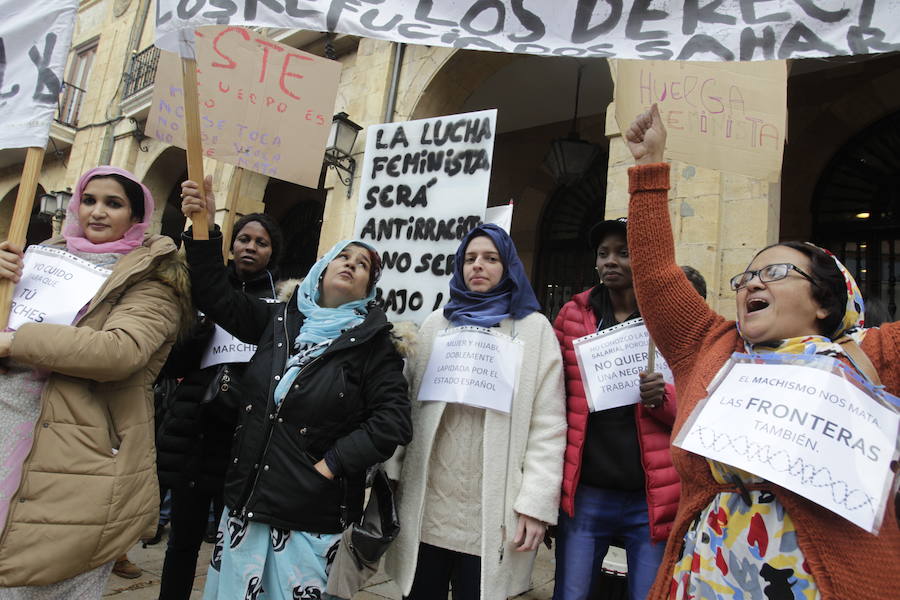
<point x="324" y="399"/>
<point x="194" y="439"/>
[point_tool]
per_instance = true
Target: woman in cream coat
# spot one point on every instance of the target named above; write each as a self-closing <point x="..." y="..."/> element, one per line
<point x="479" y="487"/>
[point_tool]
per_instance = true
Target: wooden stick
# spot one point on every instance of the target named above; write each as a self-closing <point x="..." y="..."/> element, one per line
<point x="18" y="226"/>
<point x="194" y="145"/>
<point x="230" y="203"/>
<point x="651" y="356"/>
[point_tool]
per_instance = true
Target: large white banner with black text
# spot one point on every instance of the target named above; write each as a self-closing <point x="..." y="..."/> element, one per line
<point x="648" y="29"/>
<point x="34" y="42"/>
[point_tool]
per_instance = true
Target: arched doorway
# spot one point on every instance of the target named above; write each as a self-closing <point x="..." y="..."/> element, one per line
<point x="163" y="179"/>
<point x="857" y="209"/>
<point x="40" y="227"/>
<point x="298" y="210"/>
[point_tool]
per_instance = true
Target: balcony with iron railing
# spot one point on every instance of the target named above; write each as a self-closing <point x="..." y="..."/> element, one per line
<point x="69" y="105"/>
<point x="141" y="71"/>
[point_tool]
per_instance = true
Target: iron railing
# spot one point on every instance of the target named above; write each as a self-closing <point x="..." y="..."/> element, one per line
<point x="141" y="72"/>
<point x="69" y="105"/>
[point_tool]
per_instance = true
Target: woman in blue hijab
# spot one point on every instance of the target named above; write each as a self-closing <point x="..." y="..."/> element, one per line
<point x="479" y="486"/>
<point x="323" y="399"/>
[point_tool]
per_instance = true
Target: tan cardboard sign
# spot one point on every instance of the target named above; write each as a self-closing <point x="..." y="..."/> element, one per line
<point x="264" y="106"/>
<point x="729" y="117"/>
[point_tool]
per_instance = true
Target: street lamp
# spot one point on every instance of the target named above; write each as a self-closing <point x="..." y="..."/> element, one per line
<point x="341" y="139"/>
<point x="571" y="157"/>
<point x="53" y="207"/>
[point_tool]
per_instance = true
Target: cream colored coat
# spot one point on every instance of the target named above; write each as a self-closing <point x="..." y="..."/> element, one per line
<point x="79" y="504"/>
<point x="535" y="433"/>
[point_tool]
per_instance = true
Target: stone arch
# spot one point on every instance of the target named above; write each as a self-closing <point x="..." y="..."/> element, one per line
<point x="163" y="178"/>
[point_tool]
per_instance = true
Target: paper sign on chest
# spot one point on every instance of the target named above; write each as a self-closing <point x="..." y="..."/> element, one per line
<point x="54" y="287"/>
<point x="473" y="366"/>
<point x="424" y="187"/>
<point x="610" y="362"/>
<point x="225" y="348"/>
<point x="804" y="423"/>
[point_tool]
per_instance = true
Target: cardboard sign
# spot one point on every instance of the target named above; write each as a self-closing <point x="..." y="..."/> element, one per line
<point x="54" y="287"/>
<point x="225" y="348"/>
<point x="424" y="187"/>
<point x="804" y="423"/>
<point x="673" y="29"/>
<point x="264" y="106"/>
<point x="34" y="44"/>
<point x="724" y="117"/>
<point x="610" y="361"/>
<point x="474" y="366"/>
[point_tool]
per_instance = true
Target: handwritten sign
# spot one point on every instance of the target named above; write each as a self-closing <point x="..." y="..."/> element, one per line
<point x="807" y="426"/>
<point x="264" y="106"/>
<point x="474" y="366"/>
<point x="34" y="44"/>
<point x="610" y="362"/>
<point x="724" y="117"/>
<point x="225" y="348"/>
<point x="54" y="287"/>
<point x="676" y="29"/>
<point x="424" y="187"/>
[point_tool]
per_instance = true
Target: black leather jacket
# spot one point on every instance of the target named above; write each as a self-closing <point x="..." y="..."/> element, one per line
<point x="352" y="400"/>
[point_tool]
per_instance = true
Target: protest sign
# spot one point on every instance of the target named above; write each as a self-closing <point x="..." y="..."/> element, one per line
<point x="54" y="287"/>
<point x="676" y="29"/>
<point x="724" y="117"/>
<point x="474" y="366"/>
<point x="264" y="106"/>
<point x="610" y="362"/>
<point x="34" y="44"/>
<point x="501" y="216"/>
<point x="804" y="423"/>
<point x="225" y="348"/>
<point x="424" y="187"/>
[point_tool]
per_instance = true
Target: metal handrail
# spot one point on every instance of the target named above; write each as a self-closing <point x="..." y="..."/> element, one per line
<point x="69" y="104"/>
<point x="141" y="72"/>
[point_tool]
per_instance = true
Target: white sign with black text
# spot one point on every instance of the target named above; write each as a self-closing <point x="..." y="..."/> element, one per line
<point x="474" y="366"/>
<point x="610" y="362"/>
<point x="54" y="287"/>
<point x="424" y="187"/>
<point x="34" y="43"/>
<point x="807" y="426"/>
<point x="225" y="348"/>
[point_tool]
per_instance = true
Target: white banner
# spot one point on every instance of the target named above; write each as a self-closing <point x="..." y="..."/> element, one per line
<point x="807" y="426"/>
<point x="34" y="42"/>
<point x="225" y="348"/>
<point x="646" y="29"/>
<point x="55" y="285"/>
<point x="610" y="361"/>
<point x="424" y="187"/>
<point x="474" y="366"/>
<point x="501" y="216"/>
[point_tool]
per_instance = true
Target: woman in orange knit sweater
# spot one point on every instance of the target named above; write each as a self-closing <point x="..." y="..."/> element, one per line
<point x="737" y="535"/>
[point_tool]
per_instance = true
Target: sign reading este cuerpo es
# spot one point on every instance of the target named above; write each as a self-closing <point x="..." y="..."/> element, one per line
<point x="424" y="187"/>
<point x="805" y="423"/>
<point x="610" y="362"/>
<point x="474" y="366"/>
<point x="55" y="285"/>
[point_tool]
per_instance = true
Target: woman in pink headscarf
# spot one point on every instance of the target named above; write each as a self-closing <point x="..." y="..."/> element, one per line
<point x="77" y="474"/>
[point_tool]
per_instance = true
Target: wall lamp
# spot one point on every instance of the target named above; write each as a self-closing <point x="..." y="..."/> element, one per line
<point x="340" y="145"/>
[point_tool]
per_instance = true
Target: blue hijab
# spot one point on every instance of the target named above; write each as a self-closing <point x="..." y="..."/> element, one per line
<point x="321" y="325"/>
<point x="512" y="297"/>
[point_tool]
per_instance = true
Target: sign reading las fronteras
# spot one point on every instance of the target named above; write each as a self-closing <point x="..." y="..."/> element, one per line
<point x="646" y="29"/>
<point x="424" y="187"/>
<point x="806" y="424"/>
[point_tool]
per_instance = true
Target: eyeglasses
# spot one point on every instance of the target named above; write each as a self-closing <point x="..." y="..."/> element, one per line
<point x="767" y="274"/>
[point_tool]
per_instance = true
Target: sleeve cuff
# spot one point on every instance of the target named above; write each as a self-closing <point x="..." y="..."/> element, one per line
<point x="649" y="177"/>
<point x="334" y="465"/>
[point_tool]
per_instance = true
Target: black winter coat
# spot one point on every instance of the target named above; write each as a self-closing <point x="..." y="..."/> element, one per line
<point x="352" y="400"/>
<point x="193" y="442"/>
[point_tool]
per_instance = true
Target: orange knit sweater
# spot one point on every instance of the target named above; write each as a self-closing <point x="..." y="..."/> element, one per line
<point x="847" y="562"/>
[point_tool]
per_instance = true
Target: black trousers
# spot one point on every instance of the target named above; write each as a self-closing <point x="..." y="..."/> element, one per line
<point x="440" y="569"/>
<point x="190" y="515"/>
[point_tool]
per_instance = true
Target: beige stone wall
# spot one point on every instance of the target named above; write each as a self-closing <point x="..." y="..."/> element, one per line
<point x="719" y="220"/>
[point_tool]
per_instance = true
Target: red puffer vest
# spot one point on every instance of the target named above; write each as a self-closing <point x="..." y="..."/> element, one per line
<point x="575" y="320"/>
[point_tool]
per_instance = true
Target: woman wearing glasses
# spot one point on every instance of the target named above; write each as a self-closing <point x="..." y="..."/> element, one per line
<point x="736" y="534"/>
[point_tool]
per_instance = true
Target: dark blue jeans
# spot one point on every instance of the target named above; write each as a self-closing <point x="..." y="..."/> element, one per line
<point x="582" y="542"/>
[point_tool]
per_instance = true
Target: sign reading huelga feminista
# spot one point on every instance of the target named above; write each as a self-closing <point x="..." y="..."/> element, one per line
<point x="648" y="29"/>
<point x="424" y="187"/>
<point x="34" y="43"/>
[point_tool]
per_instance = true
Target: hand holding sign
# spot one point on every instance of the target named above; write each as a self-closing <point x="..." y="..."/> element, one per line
<point x="646" y="137"/>
<point x="652" y="388"/>
<point x="11" y="261"/>
<point x="192" y="203"/>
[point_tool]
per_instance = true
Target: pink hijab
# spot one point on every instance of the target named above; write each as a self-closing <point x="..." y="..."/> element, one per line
<point x="133" y="238"/>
